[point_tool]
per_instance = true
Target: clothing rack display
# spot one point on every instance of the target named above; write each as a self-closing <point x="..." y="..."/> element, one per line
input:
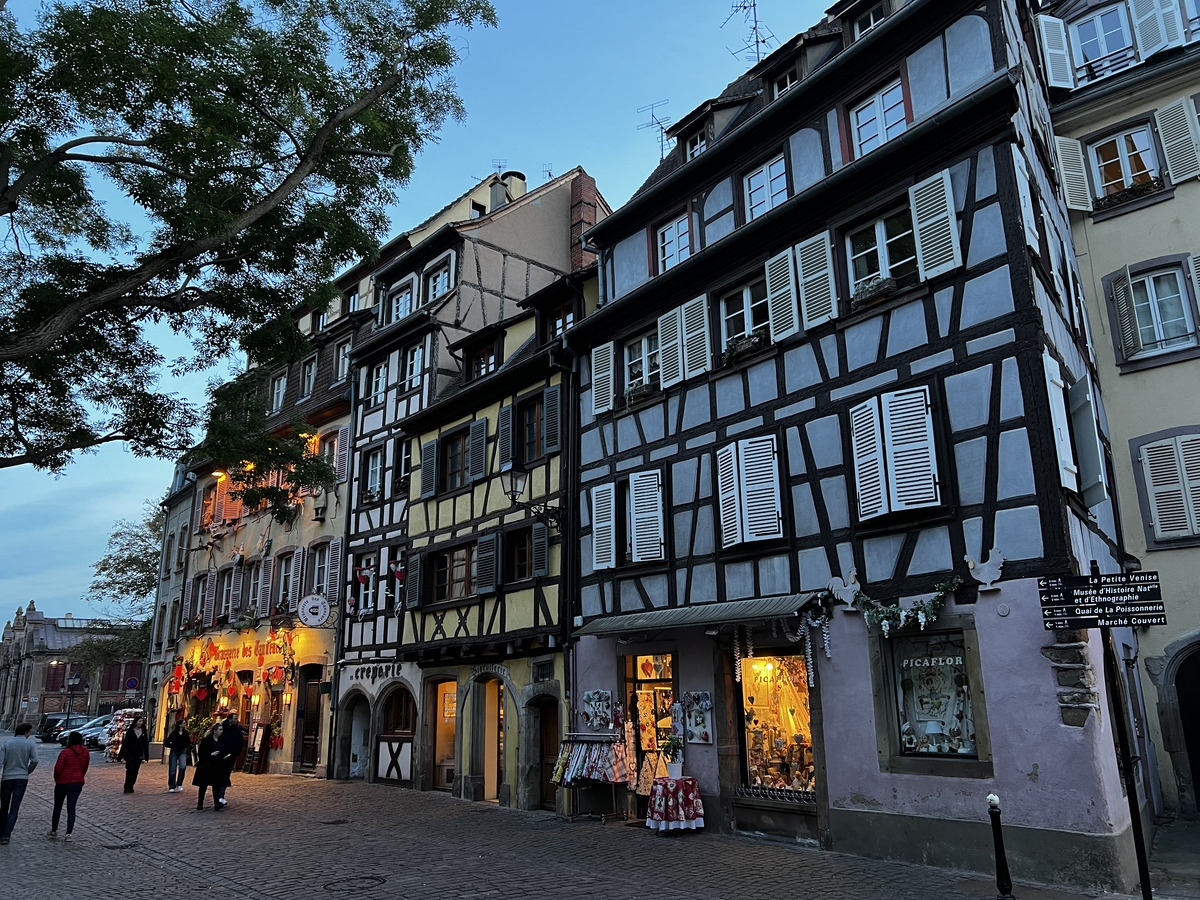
<point x="588" y="760"/>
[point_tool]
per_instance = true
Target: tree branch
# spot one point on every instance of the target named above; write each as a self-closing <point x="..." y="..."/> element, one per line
<point x="134" y="160"/>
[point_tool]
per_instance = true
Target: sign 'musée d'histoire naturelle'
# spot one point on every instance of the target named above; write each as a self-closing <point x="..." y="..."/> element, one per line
<point x="1093" y="601"/>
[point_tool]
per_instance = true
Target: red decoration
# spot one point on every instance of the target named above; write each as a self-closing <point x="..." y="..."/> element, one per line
<point x="232" y="690"/>
<point x="201" y="693"/>
<point x="260" y="662"/>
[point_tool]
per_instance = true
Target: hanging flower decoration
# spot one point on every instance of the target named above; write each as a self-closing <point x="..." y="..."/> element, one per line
<point x="888" y="617"/>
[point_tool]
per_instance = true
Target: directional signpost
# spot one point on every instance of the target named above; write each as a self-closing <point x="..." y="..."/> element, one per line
<point x="1127" y="600"/>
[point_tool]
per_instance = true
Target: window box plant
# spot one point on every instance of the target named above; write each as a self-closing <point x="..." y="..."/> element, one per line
<point x="637" y="392"/>
<point x="1130" y="193"/>
<point x="745" y="344"/>
<point x="872" y="289"/>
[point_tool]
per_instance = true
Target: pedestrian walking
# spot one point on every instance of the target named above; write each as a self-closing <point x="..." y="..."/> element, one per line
<point x="178" y="742"/>
<point x="210" y="768"/>
<point x="135" y="749"/>
<point x="231" y="749"/>
<point x="17" y="760"/>
<point x="69" y="771"/>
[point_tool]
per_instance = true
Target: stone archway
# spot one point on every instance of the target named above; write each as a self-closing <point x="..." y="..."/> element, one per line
<point x="353" y="737"/>
<point x="1176" y="674"/>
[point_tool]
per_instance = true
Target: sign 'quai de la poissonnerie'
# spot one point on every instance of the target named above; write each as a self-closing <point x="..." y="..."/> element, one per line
<point x="1094" y="601"/>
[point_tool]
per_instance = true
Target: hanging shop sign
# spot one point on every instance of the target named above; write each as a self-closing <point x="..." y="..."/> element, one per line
<point x="313" y="610"/>
<point x="1126" y="600"/>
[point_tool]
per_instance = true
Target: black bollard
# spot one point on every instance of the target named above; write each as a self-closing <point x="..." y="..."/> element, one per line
<point x="1003" y="879"/>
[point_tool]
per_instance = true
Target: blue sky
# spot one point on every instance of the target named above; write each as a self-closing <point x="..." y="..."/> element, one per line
<point x="554" y="85"/>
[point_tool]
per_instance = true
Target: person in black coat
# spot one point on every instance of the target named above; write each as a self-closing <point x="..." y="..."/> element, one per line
<point x="211" y="770"/>
<point x="135" y="749"/>
<point x="231" y="748"/>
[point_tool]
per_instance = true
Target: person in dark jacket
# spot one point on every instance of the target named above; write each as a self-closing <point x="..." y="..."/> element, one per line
<point x="69" y="771"/>
<point x="135" y="749"/>
<point x="178" y="743"/>
<point x="231" y="748"/>
<point x="210" y="767"/>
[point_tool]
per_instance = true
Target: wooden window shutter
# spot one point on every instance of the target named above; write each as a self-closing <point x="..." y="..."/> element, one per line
<point x="233" y="505"/>
<point x="552" y="419"/>
<point x="604" y="526"/>
<point x="762" y="514"/>
<point x="293" y="600"/>
<point x="478" y="449"/>
<point x="670" y="348"/>
<point x="343" y="453"/>
<point x="1172" y="23"/>
<point x="541" y="549"/>
<point x="197" y="510"/>
<point x="935" y="226"/>
<point x="187" y="600"/>
<point x="1056" y="391"/>
<point x="729" y="502"/>
<point x="1189" y="454"/>
<point x="818" y="288"/>
<point x="1073" y="169"/>
<point x="210" y="597"/>
<point x="1090" y="450"/>
<point x="1180" y="135"/>
<point x="781" y="295"/>
<point x="908" y="443"/>
<point x="264" y="589"/>
<point x="235" y="592"/>
<point x="413" y="586"/>
<point x="1172" y="506"/>
<point x="219" y="501"/>
<point x="1056" y="52"/>
<point x="504" y="437"/>
<point x="697" y="339"/>
<point x="1148" y="27"/>
<point x="645" y="492"/>
<point x="429" y="453"/>
<point x="870" y="475"/>
<point x="486" y="558"/>
<point x="602" y="378"/>
<point x="333" y="572"/>
<point x="1025" y="195"/>
<point x="1122" y="295"/>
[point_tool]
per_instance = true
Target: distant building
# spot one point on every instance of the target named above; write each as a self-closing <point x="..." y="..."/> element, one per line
<point x="36" y="676"/>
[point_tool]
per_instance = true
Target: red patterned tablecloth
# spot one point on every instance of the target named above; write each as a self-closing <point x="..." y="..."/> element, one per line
<point x="675" y="803"/>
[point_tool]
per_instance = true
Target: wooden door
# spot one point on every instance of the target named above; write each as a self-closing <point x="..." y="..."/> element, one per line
<point x="309" y="716"/>
<point x="550" y="745"/>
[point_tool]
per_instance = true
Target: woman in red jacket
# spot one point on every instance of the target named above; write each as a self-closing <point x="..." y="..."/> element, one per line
<point x="69" y="769"/>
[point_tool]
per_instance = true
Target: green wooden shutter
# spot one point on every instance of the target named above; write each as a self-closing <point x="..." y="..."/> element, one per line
<point x="552" y="419"/>
<point x="429" y="454"/>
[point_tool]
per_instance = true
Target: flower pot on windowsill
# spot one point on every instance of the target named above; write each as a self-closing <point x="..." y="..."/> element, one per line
<point x="639" y="392"/>
<point x="744" y="346"/>
<point x="1130" y="193"/>
<point x="870" y="291"/>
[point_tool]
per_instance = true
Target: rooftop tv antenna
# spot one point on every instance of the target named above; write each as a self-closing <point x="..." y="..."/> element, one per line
<point x="656" y="121"/>
<point x="547" y="172"/>
<point x="759" y="40"/>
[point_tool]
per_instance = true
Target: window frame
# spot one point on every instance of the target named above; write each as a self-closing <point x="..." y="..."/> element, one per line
<point x="517" y="546"/>
<point x="1185" y="266"/>
<point x="374" y="460"/>
<point x="650" y="360"/>
<point x="454" y="446"/>
<point x="559" y="319"/>
<point x="308" y="377"/>
<point x="278" y="392"/>
<point x="536" y="403"/>
<point x="317" y="576"/>
<point x="791" y="79"/>
<point x="881" y="249"/>
<point x="351" y="301"/>
<point x="444" y="562"/>
<point x="1081" y="65"/>
<point x="774" y="194"/>
<point x="431" y="276"/>
<point x="341" y="361"/>
<point x="365" y="591"/>
<point x="748" y="305"/>
<point x="874" y="100"/>
<point x="225" y="598"/>
<point x="482" y="360"/>
<point x="377" y="383"/>
<point x="669" y="235"/>
<point x="696" y="144"/>
<point x="1116" y="135"/>
<point x="875" y="23"/>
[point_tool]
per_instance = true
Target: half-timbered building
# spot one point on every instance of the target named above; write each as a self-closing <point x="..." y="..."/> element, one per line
<point x="837" y="417"/>
<point x="1124" y="79"/>
<point x="437" y="304"/>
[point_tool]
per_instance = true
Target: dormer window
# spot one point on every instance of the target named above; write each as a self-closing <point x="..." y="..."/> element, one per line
<point x="1102" y="43"/>
<point x="696" y="144"/>
<point x="478" y="210"/>
<point x="560" y="319"/>
<point x="869" y="20"/>
<point x="481" y="361"/>
<point x="879" y="119"/>
<point x="785" y="83"/>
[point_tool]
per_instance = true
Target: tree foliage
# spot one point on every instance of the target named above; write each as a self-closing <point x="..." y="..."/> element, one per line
<point x="258" y="143"/>
<point x="115" y="643"/>
<point x="127" y="575"/>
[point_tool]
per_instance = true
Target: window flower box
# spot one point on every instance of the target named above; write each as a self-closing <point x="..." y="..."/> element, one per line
<point x="744" y="345"/>
<point x="1130" y="193"/>
<point x="871" y="290"/>
<point x="638" y="392"/>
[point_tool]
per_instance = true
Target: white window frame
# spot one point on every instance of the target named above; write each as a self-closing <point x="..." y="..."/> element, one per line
<point x="875" y="110"/>
<point x="352" y="302"/>
<point x="254" y="571"/>
<point x="278" y="391"/>
<point x="1150" y="154"/>
<point x="748" y="501"/>
<point x="414" y="364"/>
<point x="372" y="484"/>
<point x="748" y="306"/>
<point x="1156" y="323"/>
<point x="378" y="383"/>
<point x="696" y="144"/>
<point x="437" y="279"/>
<point x="320" y="568"/>
<point x="1192" y="9"/>
<point x="365" y="589"/>
<point x="646" y="516"/>
<point x="400" y="303"/>
<point x="1109" y="64"/>
<point x="284" y="575"/>
<point x="859" y="31"/>
<point x="341" y="361"/>
<point x="308" y="377"/>
<point x="1171" y="480"/>
<point x="674" y="242"/>
<point x="765" y="187"/>
<point x="880" y="248"/>
<point x="784" y="83"/>
<point x="893" y="453"/>
<point x="643" y="349"/>
<point x="226" y="602"/>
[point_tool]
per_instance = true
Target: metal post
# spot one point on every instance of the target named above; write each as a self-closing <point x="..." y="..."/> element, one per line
<point x="1003" y="879"/>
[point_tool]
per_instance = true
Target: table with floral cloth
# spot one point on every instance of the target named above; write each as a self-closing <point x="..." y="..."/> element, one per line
<point x="675" y="803"/>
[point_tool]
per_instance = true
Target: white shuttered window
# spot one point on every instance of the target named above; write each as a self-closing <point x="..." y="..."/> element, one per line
<point x="602" y="378"/>
<point x="646" y="515"/>
<point x="1179" y="132"/>
<point x="895" y="462"/>
<point x="604" y="526"/>
<point x="1172" y="472"/>
<point x="1056" y="390"/>
<point x="935" y="225"/>
<point x="748" y="491"/>
<point x="684" y="346"/>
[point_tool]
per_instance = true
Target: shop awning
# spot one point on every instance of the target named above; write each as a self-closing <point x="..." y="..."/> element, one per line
<point x="699" y="614"/>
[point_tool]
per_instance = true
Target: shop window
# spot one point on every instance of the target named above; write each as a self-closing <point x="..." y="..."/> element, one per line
<point x="650" y="687"/>
<point x="399" y="713"/>
<point x="777" y="735"/>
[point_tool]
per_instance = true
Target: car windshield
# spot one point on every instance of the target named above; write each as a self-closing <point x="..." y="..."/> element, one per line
<point x="95" y="723"/>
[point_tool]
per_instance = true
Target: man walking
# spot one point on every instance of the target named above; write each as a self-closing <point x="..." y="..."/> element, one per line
<point x="17" y="759"/>
<point x="178" y="742"/>
<point x="231" y="749"/>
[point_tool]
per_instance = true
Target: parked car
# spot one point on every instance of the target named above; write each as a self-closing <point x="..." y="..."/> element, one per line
<point x="53" y="723"/>
<point x="86" y="728"/>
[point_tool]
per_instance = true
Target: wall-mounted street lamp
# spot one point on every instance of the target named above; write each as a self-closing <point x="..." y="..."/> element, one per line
<point x="513" y="479"/>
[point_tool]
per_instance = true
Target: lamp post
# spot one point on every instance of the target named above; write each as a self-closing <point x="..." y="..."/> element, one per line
<point x="69" y="689"/>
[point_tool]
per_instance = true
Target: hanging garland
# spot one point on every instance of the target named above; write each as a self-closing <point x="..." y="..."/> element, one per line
<point x="921" y="613"/>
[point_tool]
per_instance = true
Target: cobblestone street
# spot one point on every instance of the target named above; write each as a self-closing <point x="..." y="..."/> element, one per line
<point x="289" y="837"/>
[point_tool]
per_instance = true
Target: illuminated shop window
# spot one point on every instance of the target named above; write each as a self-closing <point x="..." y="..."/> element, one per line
<point x="933" y="695"/>
<point x="778" y="737"/>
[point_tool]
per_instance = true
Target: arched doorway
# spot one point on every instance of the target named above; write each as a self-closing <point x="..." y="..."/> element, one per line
<point x="1187" y="692"/>
<point x="397" y="727"/>
<point x="487" y="740"/>
<point x="358" y="738"/>
<point x="308" y="717"/>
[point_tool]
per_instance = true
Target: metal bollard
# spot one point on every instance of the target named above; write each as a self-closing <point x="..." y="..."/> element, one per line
<point x="1003" y="879"/>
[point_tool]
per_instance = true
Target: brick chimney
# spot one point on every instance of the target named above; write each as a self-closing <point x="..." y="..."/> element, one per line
<point x="583" y="216"/>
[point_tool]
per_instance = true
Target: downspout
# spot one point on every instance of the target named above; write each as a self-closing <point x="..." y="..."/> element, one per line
<point x="570" y="539"/>
<point x="339" y="650"/>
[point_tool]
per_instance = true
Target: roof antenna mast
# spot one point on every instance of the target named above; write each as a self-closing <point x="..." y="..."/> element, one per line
<point x="656" y="121"/>
<point x="759" y="40"/>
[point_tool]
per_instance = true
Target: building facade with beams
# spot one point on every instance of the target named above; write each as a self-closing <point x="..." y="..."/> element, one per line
<point x="837" y="416"/>
<point x="1125" y="82"/>
<point x="260" y="600"/>
<point x="460" y="274"/>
